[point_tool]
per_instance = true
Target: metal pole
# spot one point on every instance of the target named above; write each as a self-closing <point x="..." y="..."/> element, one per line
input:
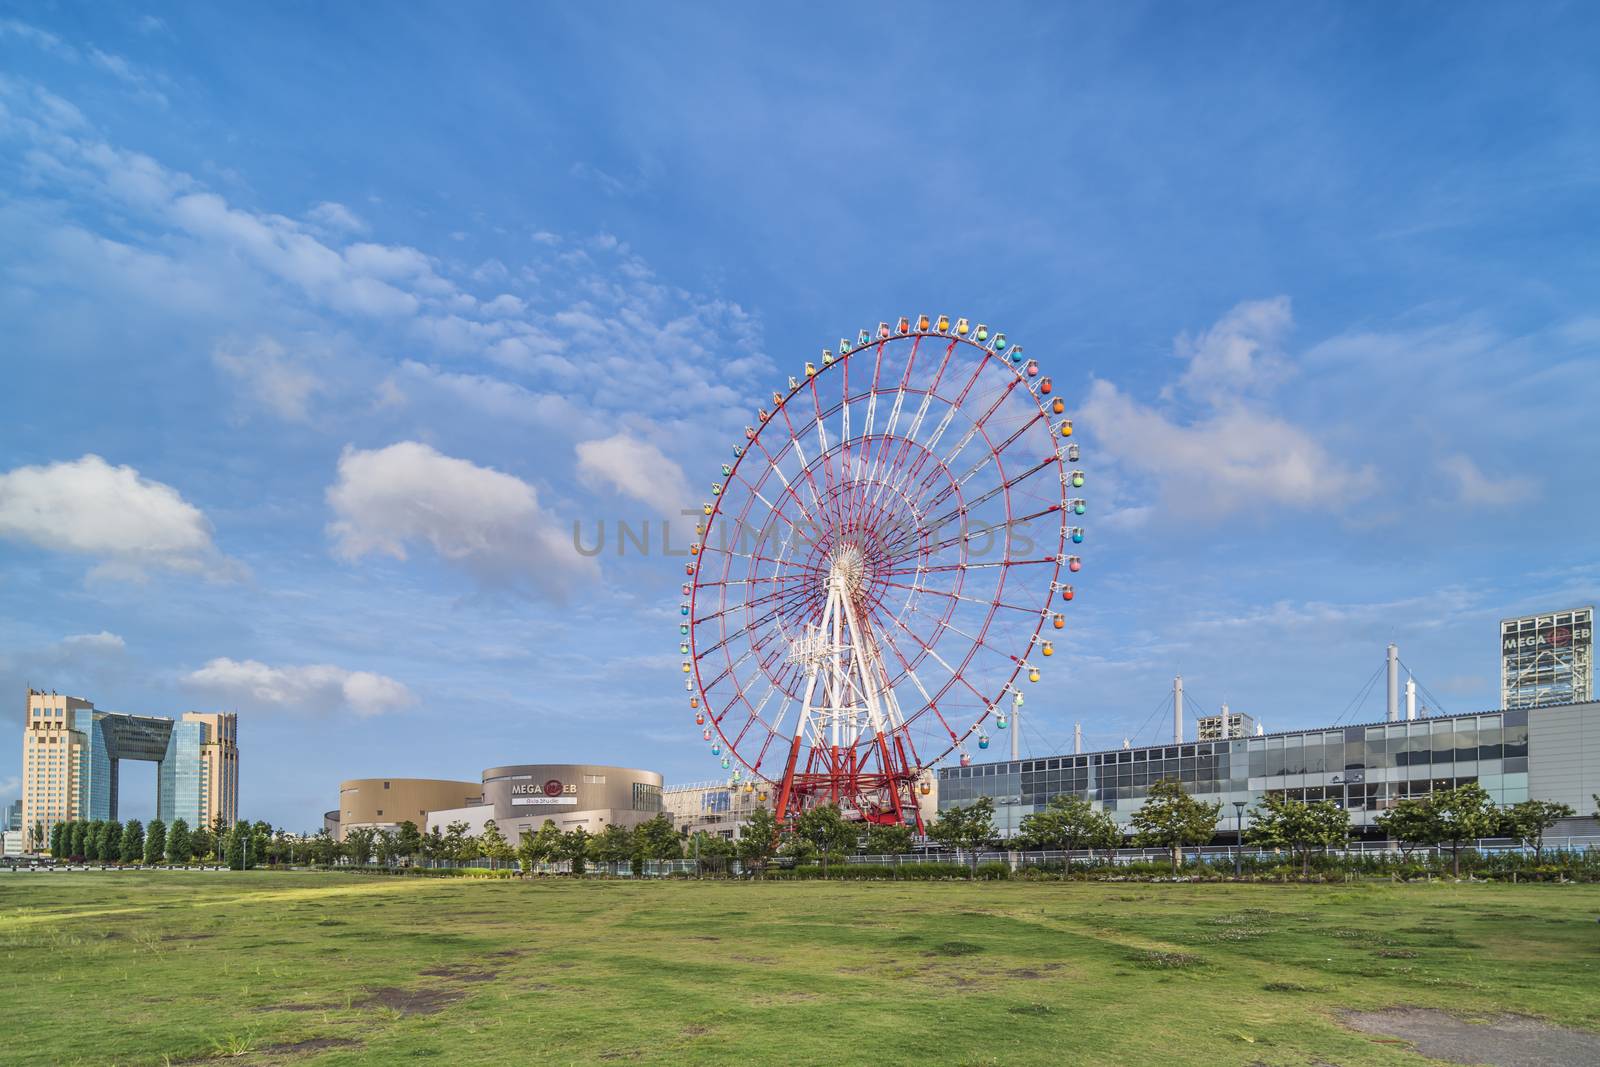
<point x="1394" y="683"/>
<point x="1238" y="848"/>
<point x="1177" y="710"/>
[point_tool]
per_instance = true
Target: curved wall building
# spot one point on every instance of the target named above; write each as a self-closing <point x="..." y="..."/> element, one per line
<point x="385" y="803"/>
<point x="522" y="796"/>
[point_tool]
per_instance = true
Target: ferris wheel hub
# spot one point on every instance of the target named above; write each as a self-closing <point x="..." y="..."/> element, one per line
<point x="848" y="569"/>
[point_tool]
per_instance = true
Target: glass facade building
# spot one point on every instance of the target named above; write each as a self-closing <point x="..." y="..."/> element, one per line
<point x="1547" y="659"/>
<point x="72" y="754"/>
<point x="1365" y="769"/>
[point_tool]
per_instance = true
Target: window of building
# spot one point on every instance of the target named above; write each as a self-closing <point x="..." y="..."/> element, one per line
<point x="594" y="779"/>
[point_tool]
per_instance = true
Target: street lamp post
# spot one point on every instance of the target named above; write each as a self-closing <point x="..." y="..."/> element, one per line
<point x="1238" y="848"/>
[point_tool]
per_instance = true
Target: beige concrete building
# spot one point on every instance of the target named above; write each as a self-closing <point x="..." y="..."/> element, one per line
<point x="570" y="795"/>
<point x="385" y="803"/>
<point x="71" y="756"/>
<point x="52" y="763"/>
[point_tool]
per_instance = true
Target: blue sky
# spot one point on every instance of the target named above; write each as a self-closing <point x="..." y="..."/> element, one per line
<point x="323" y="326"/>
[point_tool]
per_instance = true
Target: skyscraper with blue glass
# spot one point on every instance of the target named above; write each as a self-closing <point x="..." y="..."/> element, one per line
<point x="72" y="754"/>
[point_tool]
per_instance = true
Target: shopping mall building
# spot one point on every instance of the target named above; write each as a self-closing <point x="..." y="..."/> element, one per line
<point x="517" y="798"/>
<point x="1545" y="753"/>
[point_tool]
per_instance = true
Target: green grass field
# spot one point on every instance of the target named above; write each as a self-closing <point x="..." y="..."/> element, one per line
<point x="167" y="967"/>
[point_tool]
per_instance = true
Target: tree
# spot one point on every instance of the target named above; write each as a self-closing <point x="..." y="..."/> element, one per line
<point x="758" y="839"/>
<point x="261" y="835"/>
<point x="239" y="846"/>
<point x="1103" y="832"/>
<point x="200" y="843"/>
<point x="613" y="845"/>
<point x="965" y="829"/>
<point x="1063" y="824"/>
<point x="133" y="842"/>
<point x="219" y="834"/>
<point x="36" y="836"/>
<point x="408" y="840"/>
<point x="1171" y="819"/>
<point x="889" y="839"/>
<point x="384" y="846"/>
<point x="658" y="839"/>
<point x="111" y="843"/>
<point x="1529" y="820"/>
<point x="574" y="849"/>
<point x="494" y="844"/>
<point x="358" y="841"/>
<point x="711" y="852"/>
<point x="324" y="851"/>
<point x="1409" y="823"/>
<point x="1462" y="814"/>
<point x="180" y="842"/>
<point x="455" y="841"/>
<point x="826" y="833"/>
<point x="93" y="839"/>
<point x="80" y="839"/>
<point x="1282" y="822"/>
<point x="530" y="851"/>
<point x="433" y="846"/>
<point x="155" y="843"/>
<point x="57" y="850"/>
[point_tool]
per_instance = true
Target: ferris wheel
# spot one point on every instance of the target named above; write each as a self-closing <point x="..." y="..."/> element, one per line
<point x="879" y="569"/>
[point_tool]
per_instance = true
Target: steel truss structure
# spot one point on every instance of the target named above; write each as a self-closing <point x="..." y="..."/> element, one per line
<point x="880" y="566"/>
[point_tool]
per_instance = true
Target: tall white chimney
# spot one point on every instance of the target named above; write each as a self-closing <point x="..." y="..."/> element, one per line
<point x="1224" y="722"/>
<point x="1411" y="698"/>
<point x="1077" y="738"/>
<point x="1177" y="710"/>
<point x="1394" y="683"/>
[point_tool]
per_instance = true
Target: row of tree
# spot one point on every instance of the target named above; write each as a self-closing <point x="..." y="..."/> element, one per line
<point x="111" y="841"/>
<point x="1172" y="819"/>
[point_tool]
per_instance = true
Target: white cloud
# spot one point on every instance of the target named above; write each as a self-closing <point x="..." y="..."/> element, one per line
<point x="1475" y="487"/>
<point x="485" y="521"/>
<point x="104" y="641"/>
<point x="1232" y="460"/>
<point x="635" y="467"/>
<point x="316" y="688"/>
<point x="124" y="71"/>
<point x="334" y="216"/>
<point x="1231" y="454"/>
<point x="277" y="381"/>
<point x="1241" y="353"/>
<point x="129" y="523"/>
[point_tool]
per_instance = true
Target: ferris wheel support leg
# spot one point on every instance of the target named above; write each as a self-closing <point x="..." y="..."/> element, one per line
<point x="786" y="788"/>
<point x="892" y="775"/>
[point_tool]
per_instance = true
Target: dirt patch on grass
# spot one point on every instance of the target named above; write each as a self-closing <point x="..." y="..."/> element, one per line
<point x="411" y="1001"/>
<point x="187" y="937"/>
<point x="460" y="974"/>
<point x="1500" y="1041"/>
<point x="309" y="1045"/>
<point x="506" y="954"/>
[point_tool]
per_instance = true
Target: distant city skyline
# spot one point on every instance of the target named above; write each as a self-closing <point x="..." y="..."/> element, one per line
<point x="313" y="366"/>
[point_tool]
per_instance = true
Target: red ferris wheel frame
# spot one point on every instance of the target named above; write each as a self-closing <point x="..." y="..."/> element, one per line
<point x="850" y="542"/>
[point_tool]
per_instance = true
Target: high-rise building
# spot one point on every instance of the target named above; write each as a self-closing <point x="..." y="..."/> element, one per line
<point x="1547" y="659"/>
<point x="71" y="755"/>
<point x="13" y="819"/>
